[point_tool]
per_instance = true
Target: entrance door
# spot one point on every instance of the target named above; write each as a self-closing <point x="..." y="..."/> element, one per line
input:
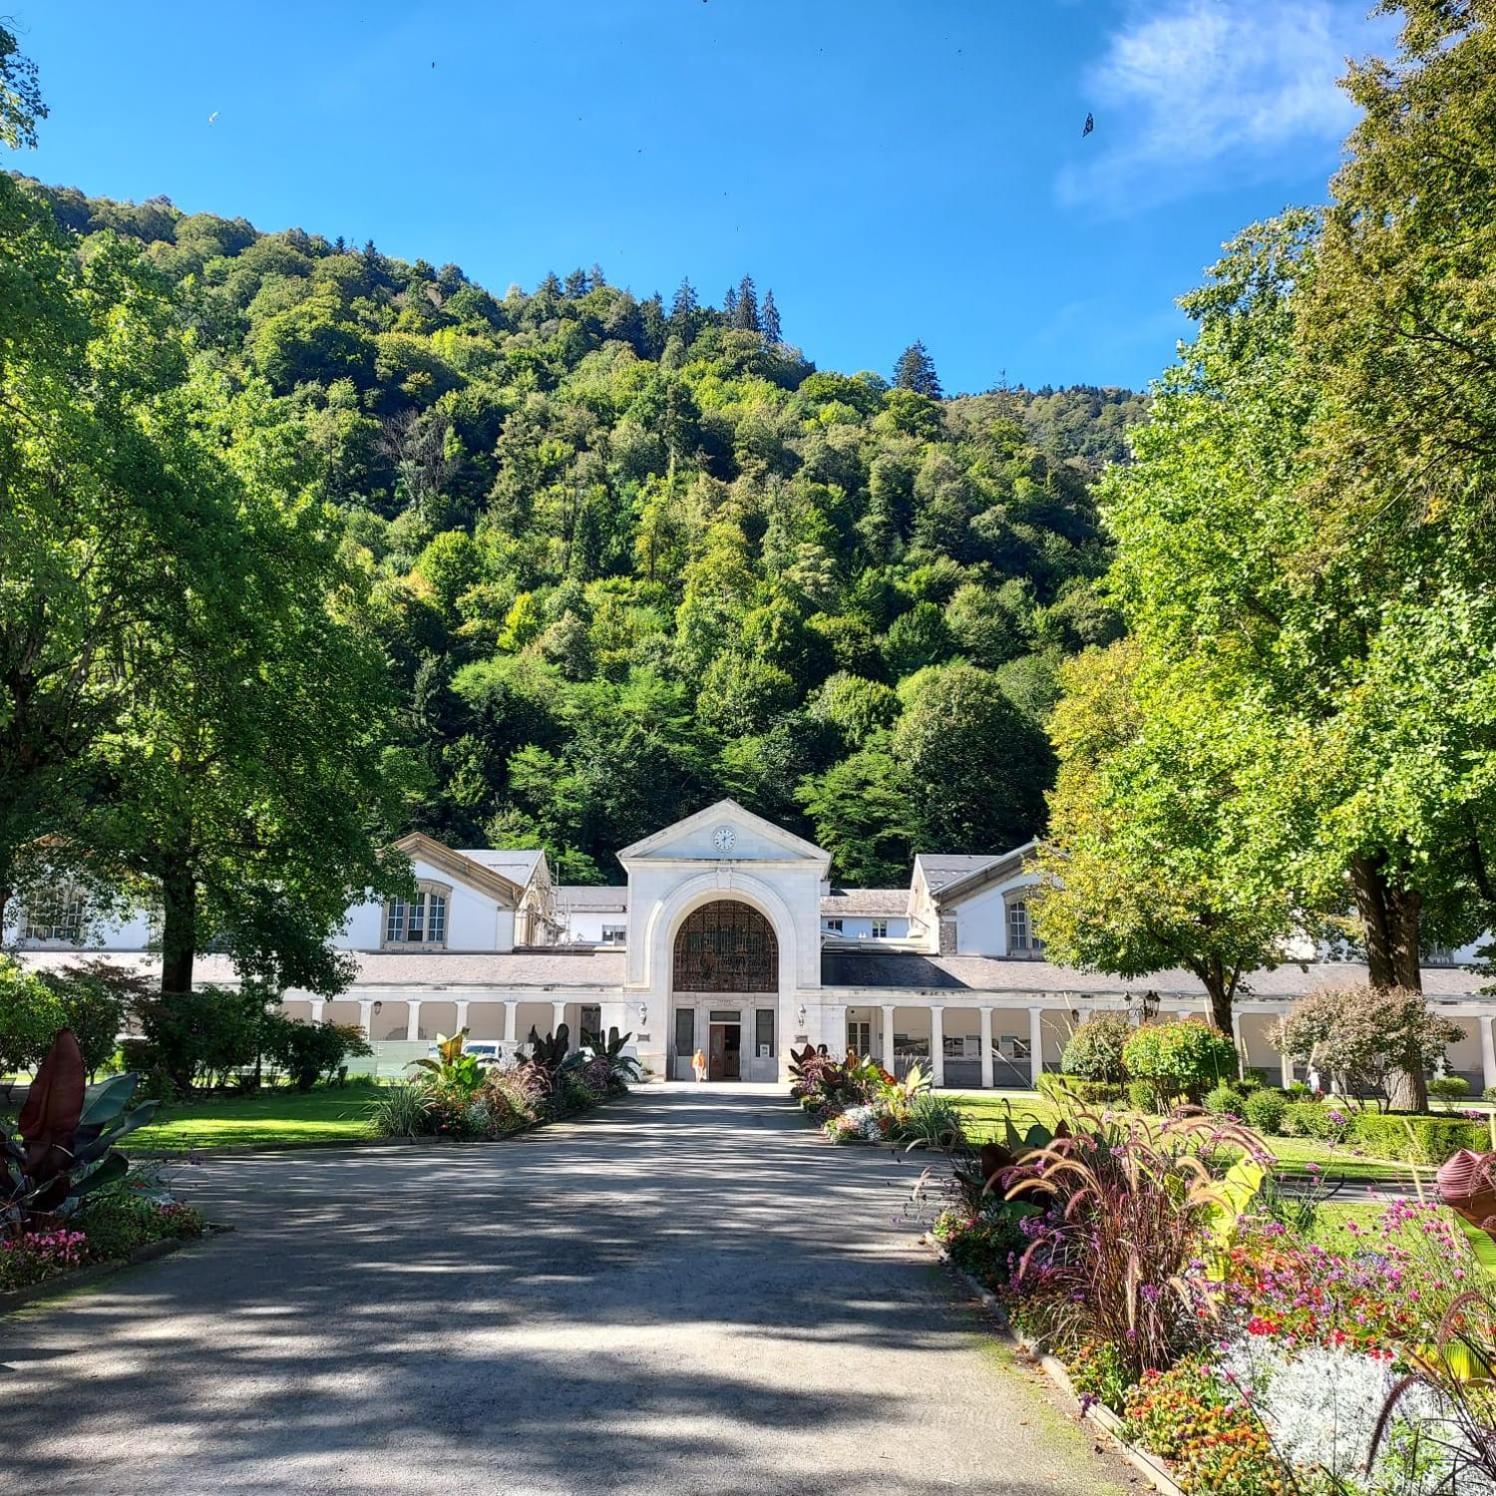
<point x="859" y="1037"/>
<point x="724" y="1059"/>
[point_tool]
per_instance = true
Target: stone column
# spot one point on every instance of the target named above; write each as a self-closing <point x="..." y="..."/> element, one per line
<point x="986" y="1014"/>
<point x="1241" y="1048"/>
<point x="1285" y="1070"/>
<point x="888" y="1055"/>
<point x="1487" y="1051"/>
<point x="511" y="1021"/>
<point x="1036" y="1046"/>
<point x="413" y="1023"/>
<point x="318" y="1006"/>
<point x="558" y="1017"/>
<point x="366" y="1016"/>
<point x="937" y="1046"/>
<point x="462" y="1014"/>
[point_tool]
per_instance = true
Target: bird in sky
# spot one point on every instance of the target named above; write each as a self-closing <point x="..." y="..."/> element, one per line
<point x="213" y="118"/>
<point x="1089" y="125"/>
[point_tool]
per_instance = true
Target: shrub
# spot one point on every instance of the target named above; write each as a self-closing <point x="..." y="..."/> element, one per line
<point x="1183" y="1058"/>
<point x="402" y="1111"/>
<point x="1225" y="1101"/>
<point x="932" y="1120"/>
<point x="1449" y="1088"/>
<point x="30" y="1016"/>
<point x="1143" y="1096"/>
<point x="34" y="1256"/>
<point x="1095" y="1049"/>
<point x="1264" y="1111"/>
<point x="1326" y="1120"/>
<point x="1417" y="1140"/>
<point x="117" y="1221"/>
<point x="308" y="1052"/>
<point x="1077" y="1091"/>
<point x="96" y="996"/>
<point x="1489" y="1094"/>
<point x="197" y="1038"/>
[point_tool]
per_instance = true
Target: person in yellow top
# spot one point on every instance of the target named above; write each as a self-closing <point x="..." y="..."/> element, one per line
<point x="698" y="1064"/>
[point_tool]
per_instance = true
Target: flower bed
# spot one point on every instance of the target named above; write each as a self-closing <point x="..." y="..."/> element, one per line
<point x="857" y="1101"/>
<point x="1156" y="1262"/>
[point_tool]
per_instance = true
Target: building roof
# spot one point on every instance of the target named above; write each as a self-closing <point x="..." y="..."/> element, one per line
<point x="534" y="968"/>
<point x="909" y="971"/>
<point x="941" y="870"/>
<point x="518" y="867"/>
<point x="865" y="901"/>
<point x="602" y="898"/>
<point x="491" y="880"/>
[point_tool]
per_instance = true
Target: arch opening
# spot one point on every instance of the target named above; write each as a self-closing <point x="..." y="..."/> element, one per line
<point x="725" y="993"/>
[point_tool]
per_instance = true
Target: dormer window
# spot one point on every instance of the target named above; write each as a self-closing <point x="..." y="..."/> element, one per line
<point x="1021" y="938"/>
<point x="55" y="916"/>
<point x="421" y="921"/>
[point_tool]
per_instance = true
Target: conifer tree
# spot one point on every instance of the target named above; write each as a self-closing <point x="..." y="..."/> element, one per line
<point x="730" y="306"/>
<point x="685" y="302"/>
<point x="915" y="371"/>
<point x="769" y="320"/>
<point x="745" y="306"/>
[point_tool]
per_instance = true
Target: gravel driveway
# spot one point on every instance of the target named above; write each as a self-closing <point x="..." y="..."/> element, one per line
<point x="687" y="1292"/>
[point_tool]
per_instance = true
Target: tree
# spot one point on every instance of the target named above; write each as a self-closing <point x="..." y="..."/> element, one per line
<point x="745" y="306"/>
<point x="916" y="639"/>
<point x="856" y="707"/>
<point x="1370" y="1039"/>
<point x="769" y="320"/>
<point x="915" y="370"/>
<point x="247" y="785"/>
<point x="975" y="767"/>
<point x="21" y="103"/>
<point x="861" y="813"/>
<point x="1144" y="866"/>
<point x="684" y="304"/>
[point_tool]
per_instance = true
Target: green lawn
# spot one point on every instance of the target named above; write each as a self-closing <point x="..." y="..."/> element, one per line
<point x="327" y="1114"/>
<point x="985" y="1111"/>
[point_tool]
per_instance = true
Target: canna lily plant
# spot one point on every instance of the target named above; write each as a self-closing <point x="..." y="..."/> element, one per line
<point x="62" y="1146"/>
<point x="453" y="1067"/>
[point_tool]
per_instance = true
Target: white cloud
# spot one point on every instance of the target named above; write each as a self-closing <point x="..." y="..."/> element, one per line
<point x="1204" y="92"/>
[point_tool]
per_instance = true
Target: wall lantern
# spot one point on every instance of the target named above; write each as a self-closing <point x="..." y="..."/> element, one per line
<point x="800" y="1016"/>
<point x="643" y="1012"/>
<point x="378" y="1007"/>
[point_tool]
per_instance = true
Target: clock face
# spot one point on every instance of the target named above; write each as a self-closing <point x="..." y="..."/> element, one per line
<point x="724" y="838"/>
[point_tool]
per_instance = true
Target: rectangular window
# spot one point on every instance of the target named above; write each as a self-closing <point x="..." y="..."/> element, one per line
<point x="880" y="929"/>
<point x="590" y="1022"/>
<point x="394" y="923"/>
<point x="685" y="1032"/>
<point x="615" y="934"/>
<point x="726" y="1015"/>
<point x="833" y="927"/>
<point x="418" y="921"/>
<point x="436" y="918"/>
<point x="763" y="1031"/>
<point x="1014" y="1048"/>
<point x="1018" y="927"/>
<point x="56" y="915"/>
<point x="910" y="1047"/>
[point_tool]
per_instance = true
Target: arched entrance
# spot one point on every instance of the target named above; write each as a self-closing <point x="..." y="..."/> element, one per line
<point x="725" y="993"/>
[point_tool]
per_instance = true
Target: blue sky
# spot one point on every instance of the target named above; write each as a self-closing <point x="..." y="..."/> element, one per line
<point x="893" y="169"/>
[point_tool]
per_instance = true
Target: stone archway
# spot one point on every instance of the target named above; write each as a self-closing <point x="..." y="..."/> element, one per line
<point x="724" y="985"/>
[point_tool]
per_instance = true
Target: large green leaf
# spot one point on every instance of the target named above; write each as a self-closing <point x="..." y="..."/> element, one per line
<point x="106" y="1099"/>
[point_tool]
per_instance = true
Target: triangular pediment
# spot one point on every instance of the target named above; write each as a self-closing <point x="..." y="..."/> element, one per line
<point x="725" y="832"/>
<point x="461" y="869"/>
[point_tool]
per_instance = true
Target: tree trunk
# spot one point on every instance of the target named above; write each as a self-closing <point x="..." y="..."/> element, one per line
<point x="1390" y="921"/>
<point x="178" y="930"/>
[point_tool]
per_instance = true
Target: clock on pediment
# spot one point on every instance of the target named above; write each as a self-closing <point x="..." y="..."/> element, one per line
<point x="724" y="839"/>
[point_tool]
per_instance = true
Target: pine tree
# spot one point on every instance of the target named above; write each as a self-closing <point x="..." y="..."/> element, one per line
<point x="745" y="306"/>
<point x="769" y="320"/>
<point x="915" y="371"/>
<point x="576" y="284"/>
<point x="730" y="307"/>
<point x="596" y="276"/>
<point x="685" y="301"/>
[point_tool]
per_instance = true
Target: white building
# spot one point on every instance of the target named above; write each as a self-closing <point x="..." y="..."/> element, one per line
<point x="728" y="936"/>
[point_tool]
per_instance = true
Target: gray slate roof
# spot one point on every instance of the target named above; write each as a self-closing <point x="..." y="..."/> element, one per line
<point x="865" y="901"/>
<point x="941" y="870"/>
<point x="518" y="867"/>
<point x="912" y="972"/>
<point x="600" y="898"/>
<point x="565" y="966"/>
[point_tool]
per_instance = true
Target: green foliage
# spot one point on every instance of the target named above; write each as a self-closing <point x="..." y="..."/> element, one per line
<point x="1329" y="1121"/>
<point x="1075" y="1090"/>
<point x="402" y="1110"/>
<point x="1224" y="1101"/>
<point x="1144" y="1096"/>
<point x="1449" y="1088"/>
<point x="197" y="1038"/>
<point x="1264" y="1111"/>
<point x="126" y="1216"/>
<point x="96" y="995"/>
<point x="1182" y="1058"/>
<point x="1094" y="1051"/>
<point x="453" y="1069"/>
<point x="309" y="1052"/>
<point x="30" y="1016"/>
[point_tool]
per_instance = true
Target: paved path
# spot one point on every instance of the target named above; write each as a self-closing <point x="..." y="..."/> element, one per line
<point x="684" y="1293"/>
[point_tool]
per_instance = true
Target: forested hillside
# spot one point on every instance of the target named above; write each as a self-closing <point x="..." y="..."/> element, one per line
<point x="631" y="555"/>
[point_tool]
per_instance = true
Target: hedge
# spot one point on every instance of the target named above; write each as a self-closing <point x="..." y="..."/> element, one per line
<point x="1417" y="1140"/>
<point x="1078" y="1090"/>
<point x="1325" y="1120"/>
